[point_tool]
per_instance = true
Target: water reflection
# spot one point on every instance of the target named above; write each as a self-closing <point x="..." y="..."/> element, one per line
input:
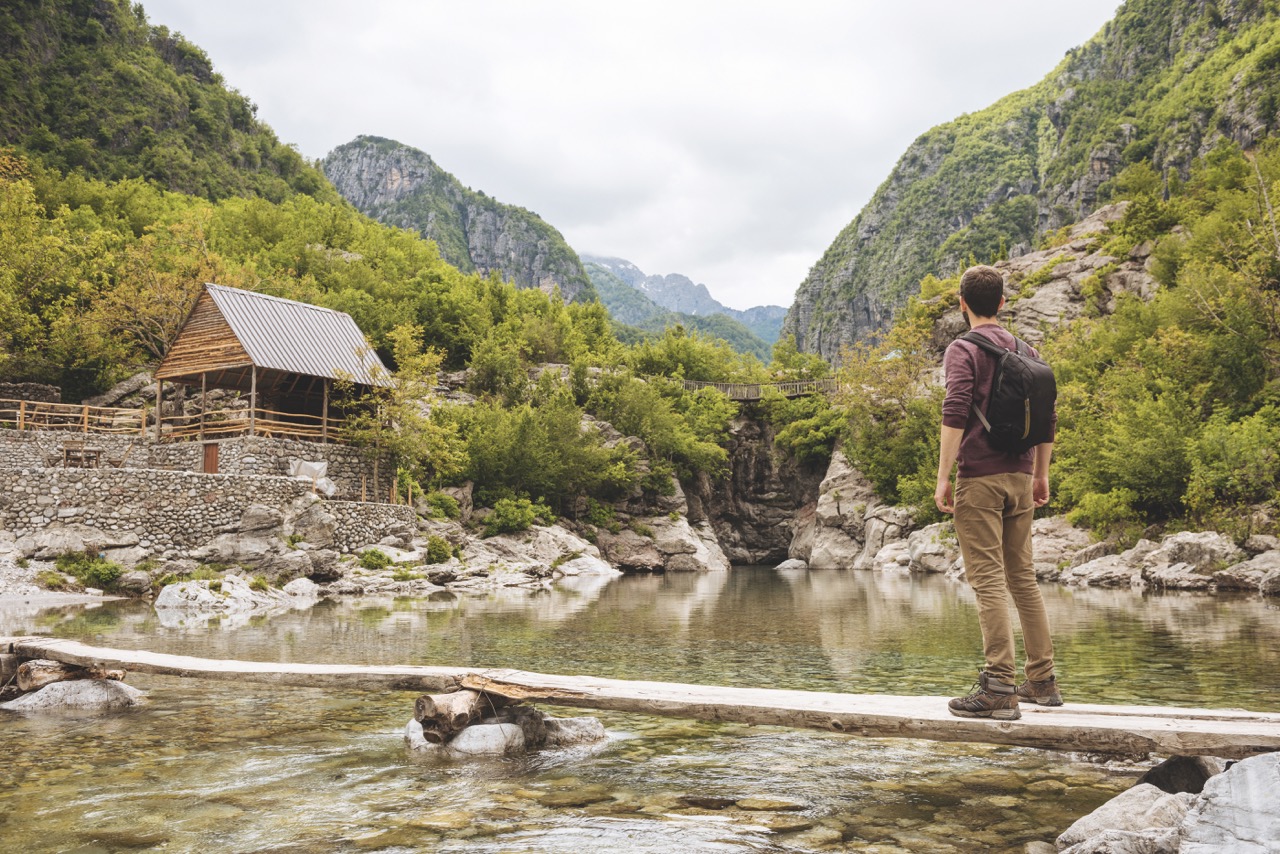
<point x="222" y="766"/>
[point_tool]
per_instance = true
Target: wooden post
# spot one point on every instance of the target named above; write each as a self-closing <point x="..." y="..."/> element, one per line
<point x="324" y="413"/>
<point x="204" y="402"/>
<point x="253" y="397"/>
<point x="22" y="415"/>
<point x="84" y="419"/>
<point x="159" y="406"/>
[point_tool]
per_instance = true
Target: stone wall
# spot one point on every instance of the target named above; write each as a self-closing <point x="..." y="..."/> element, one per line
<point x="36" y="448"/>
<point x="360" y="524"/>
<point x="243" y="455"/>
<point x="37" y="392"/>
<point x="164" y="509"/>
<point x="170" y="512"/>
<point x="348" y="467"/>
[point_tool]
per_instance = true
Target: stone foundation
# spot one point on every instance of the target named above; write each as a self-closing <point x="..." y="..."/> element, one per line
<point x="349" y="468"/>
<point x="170" y="512"/>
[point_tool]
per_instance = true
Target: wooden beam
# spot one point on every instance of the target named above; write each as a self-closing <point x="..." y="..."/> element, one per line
<point x="1228" y="733"/>
<point x="159" y="406"/>
<point x="324" y="413"/>
<point x="204" y="401"/>
<point x="253" y="397"/>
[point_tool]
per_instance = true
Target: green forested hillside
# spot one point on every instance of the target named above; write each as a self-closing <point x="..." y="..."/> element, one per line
<point x="90" y="86"/>
<point x="1162" y="83"/>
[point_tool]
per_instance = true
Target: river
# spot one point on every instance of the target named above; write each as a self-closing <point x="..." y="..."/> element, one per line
<point x="214" y="766"/>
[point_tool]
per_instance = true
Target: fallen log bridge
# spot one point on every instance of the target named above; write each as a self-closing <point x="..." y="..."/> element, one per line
<point x="1229" y="733"/>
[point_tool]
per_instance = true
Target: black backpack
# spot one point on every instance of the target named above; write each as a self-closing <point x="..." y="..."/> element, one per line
<point x="1019" y="413"/>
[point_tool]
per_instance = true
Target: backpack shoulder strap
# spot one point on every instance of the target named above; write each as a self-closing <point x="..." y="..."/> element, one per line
<point x="985" y="343"/>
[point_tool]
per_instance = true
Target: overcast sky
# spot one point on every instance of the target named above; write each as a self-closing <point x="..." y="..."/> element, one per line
<point x="728" y="140"/>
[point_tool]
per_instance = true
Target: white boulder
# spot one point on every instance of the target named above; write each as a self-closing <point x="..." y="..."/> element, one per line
<point x="84" y="694"/>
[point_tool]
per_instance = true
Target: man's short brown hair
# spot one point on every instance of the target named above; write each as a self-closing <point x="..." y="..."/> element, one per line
<point x="982" y="288"/>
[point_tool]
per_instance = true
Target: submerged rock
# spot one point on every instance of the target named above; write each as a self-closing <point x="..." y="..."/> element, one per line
<point x="189" y="602"/>
<point x="85" y="694"/>
<point x="565" y="732"/>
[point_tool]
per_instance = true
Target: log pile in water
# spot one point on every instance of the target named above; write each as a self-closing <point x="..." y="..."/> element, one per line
<point x="37" y="673"/>
<point x="473" y="723"/>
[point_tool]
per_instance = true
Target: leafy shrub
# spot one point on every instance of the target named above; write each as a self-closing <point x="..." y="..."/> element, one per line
<point x="259" y="584"/>
<point x="642" y="529"/>
<point x="1235" y="464"/>
<point x="515" y="514"/>
<point x="438" y="549"/>
<point x="443" y="506"/>
<point x="90" y="569"/>
<point x="374" y="559"/>
<point x="405" y="574"/>
<point x="599" y="514"/>
<point x="1108" y="513"/>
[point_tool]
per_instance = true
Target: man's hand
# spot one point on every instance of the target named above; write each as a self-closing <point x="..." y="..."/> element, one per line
<point x="1040" y="490"/>
<point x="942" y="496"/>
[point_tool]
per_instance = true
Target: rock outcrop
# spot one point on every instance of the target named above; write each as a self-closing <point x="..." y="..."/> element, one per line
<point x="1235" y="810"/>
<point x="402" y="186"/>
<point x="1186" y="560"/>
<point x="753" y="511"/>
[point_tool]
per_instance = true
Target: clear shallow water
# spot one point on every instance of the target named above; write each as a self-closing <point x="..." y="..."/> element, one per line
<point x="210" y="766"/>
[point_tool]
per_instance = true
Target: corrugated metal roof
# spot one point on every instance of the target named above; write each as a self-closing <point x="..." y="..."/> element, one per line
<point x="286" y="335"/>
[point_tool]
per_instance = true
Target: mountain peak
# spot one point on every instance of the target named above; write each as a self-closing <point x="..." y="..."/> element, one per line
<point x="402" y="186"/>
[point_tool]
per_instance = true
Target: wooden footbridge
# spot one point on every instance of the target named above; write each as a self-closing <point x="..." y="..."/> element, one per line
<point x="755" y="391"/>
<point x="1228" y="733"/>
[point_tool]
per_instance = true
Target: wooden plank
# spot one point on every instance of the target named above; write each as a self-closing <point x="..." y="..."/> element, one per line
<point x="205" y="343"/>
<point x="1229" y="733"/>
<point x="345" y="676"/>
<point x="1068" y="727"/>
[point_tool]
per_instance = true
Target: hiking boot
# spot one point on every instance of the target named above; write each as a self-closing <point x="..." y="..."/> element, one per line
<point x="992" y="699"/>
<point x="1044" y="692"/>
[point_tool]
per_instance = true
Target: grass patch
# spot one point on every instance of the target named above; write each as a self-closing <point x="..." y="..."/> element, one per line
<point x="52" y="580"/>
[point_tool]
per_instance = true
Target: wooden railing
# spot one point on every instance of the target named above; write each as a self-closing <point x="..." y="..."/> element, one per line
<point x="754" y="391"/>
<point x="258" y="422"/>
<point x="80" y="418"/>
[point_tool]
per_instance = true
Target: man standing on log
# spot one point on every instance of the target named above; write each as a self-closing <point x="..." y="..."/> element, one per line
<point x="995" y="497"/>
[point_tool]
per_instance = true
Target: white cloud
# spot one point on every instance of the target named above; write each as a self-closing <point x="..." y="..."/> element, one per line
<point x="726" y="140"/>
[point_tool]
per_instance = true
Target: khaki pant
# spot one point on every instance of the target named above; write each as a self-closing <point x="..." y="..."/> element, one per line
<point x="993" y="521"/>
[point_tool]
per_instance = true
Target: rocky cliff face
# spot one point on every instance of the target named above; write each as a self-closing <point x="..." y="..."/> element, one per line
<point x="1162" y="82"/>
<point x="753" y="511"/>
<point x="404" y="187"/>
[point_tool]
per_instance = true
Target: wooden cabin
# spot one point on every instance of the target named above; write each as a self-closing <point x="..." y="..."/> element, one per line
<point x="283" y="355"/>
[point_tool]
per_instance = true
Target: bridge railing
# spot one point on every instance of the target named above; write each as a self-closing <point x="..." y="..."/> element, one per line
<point x="755" y="391"/>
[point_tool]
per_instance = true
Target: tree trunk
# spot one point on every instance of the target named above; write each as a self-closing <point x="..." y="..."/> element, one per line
<point x="41" y="672"/>
<point x="444" y="715"/>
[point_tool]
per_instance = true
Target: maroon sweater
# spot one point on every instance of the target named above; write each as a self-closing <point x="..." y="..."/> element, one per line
<point x="970" y="371"/>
